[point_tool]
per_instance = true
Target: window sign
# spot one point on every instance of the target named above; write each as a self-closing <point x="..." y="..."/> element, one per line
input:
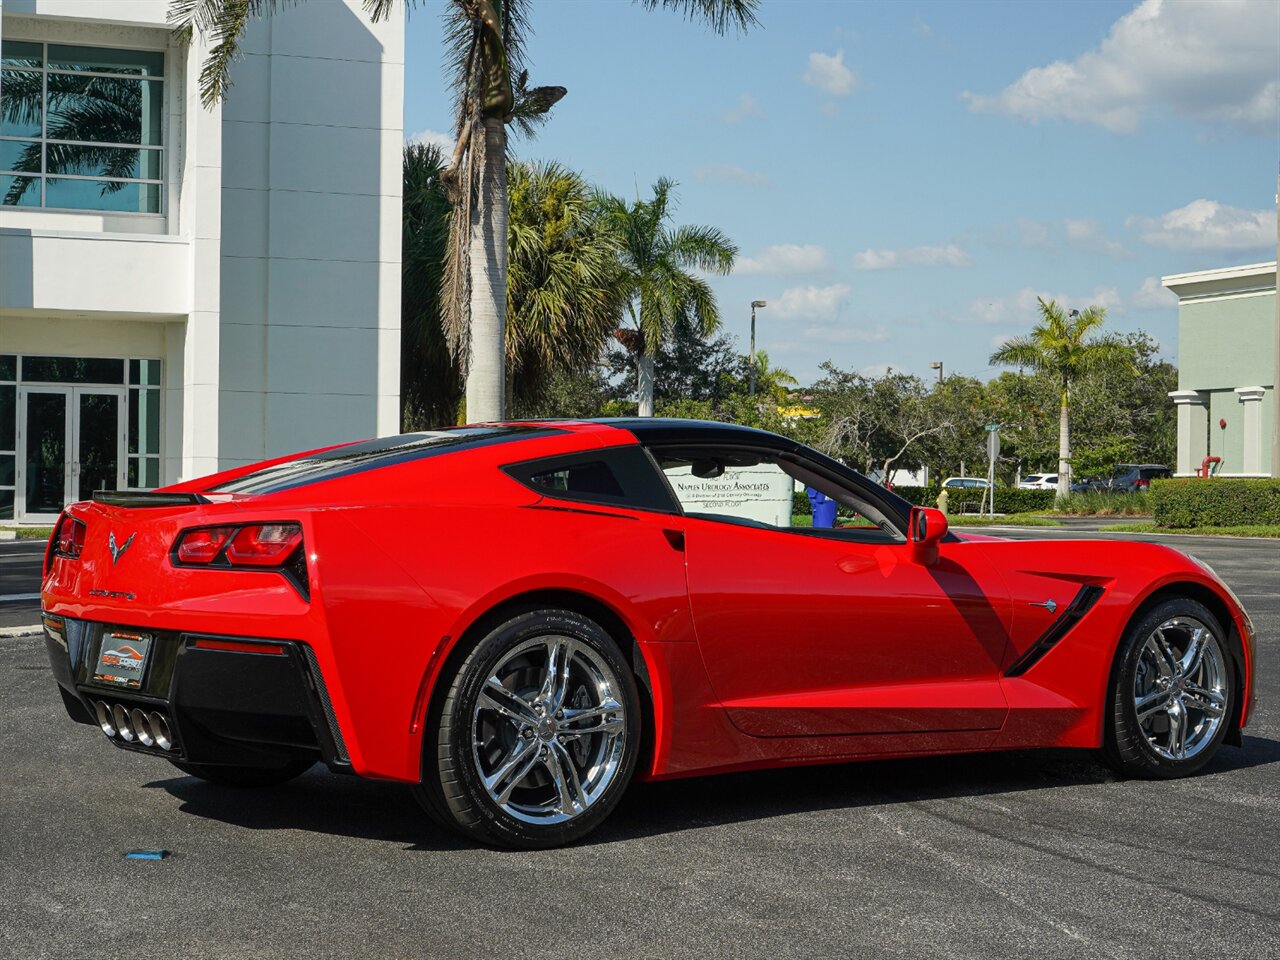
<point x="762" y="492"/>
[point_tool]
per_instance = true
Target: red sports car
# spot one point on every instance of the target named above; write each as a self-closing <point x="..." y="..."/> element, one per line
<point x="518" y="618"/>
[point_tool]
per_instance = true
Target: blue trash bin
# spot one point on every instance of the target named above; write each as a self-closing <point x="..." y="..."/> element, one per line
<point x="824" y="508"/>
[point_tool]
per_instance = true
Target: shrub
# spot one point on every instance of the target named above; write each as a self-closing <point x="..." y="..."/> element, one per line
<point x="1096" y="503"/>
<point x="1008" y="499"/>
<point x="1215" y="502"/>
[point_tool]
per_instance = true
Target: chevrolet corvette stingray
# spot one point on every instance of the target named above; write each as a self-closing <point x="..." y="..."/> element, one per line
<point x="519" y="618"/>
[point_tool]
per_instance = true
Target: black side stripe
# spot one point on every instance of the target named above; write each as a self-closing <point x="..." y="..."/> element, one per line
<point x="1082" y="604"/>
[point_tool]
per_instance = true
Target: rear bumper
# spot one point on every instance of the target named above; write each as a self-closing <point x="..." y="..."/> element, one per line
<point x="225" y="700"/>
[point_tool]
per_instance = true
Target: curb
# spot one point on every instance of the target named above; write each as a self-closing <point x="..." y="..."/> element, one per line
<point x="9" y="633"/>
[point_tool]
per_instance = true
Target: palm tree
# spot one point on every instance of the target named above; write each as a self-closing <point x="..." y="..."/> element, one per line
<point x="430" y="381"/>
<point x="485" y="39"/>
<point x="772" y="383"/>
<point x="563" y="296"/>
<point x="1060" y="346"/>
<point x="656" y="281"/>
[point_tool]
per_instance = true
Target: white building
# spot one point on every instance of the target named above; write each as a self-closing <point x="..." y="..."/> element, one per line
<point x="185" y="288"/>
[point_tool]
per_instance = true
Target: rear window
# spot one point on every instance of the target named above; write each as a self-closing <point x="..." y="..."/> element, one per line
<point x="373" y="454"/>
<point x="1155" y="473"/>
<point x="619" y="476"/>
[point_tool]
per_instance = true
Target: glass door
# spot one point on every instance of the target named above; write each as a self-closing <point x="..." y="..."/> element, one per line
<point x="98" y="441"/>
<point x="44" y="457"/>
<point x="72" y="443"/>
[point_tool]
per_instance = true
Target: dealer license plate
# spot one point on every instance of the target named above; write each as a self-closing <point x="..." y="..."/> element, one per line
<point x="122" y="658"/>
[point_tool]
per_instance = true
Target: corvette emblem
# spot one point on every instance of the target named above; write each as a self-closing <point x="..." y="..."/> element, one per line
<point x="1049" y="605"/>
<point x="118" y="551"/>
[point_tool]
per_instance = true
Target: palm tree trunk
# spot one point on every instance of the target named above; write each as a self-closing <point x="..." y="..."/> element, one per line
<point x="644" y="377"/>
<point x="486" y="379"/>
<point x="1064" y="446"/>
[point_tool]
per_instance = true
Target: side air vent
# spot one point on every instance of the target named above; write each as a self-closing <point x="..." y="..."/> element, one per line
<point x="1082" y="604"/>
<point x="317" y="679"/>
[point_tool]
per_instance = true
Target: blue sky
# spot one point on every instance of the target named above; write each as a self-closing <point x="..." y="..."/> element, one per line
<point x="902" y="179"/>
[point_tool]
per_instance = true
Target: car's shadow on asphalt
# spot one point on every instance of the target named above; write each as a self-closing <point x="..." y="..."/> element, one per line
<point x="366" y="809"/>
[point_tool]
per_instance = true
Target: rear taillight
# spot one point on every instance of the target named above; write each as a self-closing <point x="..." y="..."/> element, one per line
<point x="264" y="545"/>
<point x="1143" y="483"/>
<point x="68" y="538"/>
<point x="203" y="545"/>
<point x="261" y="545"/>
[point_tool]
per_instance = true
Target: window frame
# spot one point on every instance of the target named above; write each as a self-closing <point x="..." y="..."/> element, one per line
<point x="162" y="149"/>
<point x="644" y="487"/>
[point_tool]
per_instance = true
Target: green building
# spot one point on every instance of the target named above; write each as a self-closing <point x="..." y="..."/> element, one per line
<point x="1227" y="359"/>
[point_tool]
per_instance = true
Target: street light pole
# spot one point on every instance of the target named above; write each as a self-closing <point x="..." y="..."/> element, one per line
<point x="937" y="365"/>
<point x="752" y="372"/>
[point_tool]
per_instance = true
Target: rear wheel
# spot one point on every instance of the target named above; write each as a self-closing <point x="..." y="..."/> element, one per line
<point x="538" y="733"/>
<point x="1172" y="692"/>
<point x="233" y="776"/>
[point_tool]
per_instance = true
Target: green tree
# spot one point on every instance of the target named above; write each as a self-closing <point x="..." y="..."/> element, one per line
<point x="430" y="378"/>
<point x="772" y="383"/>
<point x="1063" y="347"/>
<point x="563" y="296"/>
<point x="657" y="281"/>
<point x="485" y="42"/>
<point x="563" y="300"/>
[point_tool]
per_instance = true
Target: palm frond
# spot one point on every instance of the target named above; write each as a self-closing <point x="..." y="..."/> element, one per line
<point x="705" y="248"/>
<point x="719" y="15"/>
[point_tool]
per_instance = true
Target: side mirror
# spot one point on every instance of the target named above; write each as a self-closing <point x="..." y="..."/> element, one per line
<point x="925" y="528"/>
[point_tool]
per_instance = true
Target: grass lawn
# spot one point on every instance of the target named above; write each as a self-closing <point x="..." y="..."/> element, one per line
<point x="1011" y="520"/>
<point x="1250" y="530"/>
<point x="34" y="533"/>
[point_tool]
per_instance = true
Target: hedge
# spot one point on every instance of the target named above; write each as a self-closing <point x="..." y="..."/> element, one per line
<point x="1215" y="502"/>
<point x="1008" y="499"/>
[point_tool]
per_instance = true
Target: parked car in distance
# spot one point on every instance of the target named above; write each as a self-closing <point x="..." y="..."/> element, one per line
<point x="1039" y="481"/>
<point x="964" y="483"/>
<point x="1128" y="478"/>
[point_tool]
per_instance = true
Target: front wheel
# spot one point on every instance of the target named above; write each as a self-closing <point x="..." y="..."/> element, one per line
<point x="538" y="734"/>
<point x="1172" y="693"/>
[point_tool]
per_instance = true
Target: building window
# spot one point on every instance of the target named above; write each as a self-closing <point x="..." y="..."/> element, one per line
<point x="143" y="468"/>
<point x="81" y="128"/>
<point x="8" y="433"/>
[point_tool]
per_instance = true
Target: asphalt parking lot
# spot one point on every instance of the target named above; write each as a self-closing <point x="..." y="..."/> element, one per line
<point x="1016" y="855"/>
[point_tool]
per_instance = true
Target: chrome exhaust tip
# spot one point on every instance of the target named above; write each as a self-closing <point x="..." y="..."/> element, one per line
<point x="141" y="727"/>
<point x="103" y="713"/>
<point x="121" y="718"/>
<point x="160" y="731"/>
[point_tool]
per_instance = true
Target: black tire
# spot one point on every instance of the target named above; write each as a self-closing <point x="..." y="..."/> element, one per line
<point x="1126" y="747"/>
<point x="452" y="790"/>
<point x="246" y="777"/>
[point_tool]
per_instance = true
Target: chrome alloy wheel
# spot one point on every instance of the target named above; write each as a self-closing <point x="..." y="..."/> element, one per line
<point x="1180" y="688"/>
<point x="548" y="729"/>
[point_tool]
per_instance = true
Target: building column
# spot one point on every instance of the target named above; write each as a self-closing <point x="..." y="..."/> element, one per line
<point x="1251" y="397"/>
<point x="1193" y="431"/>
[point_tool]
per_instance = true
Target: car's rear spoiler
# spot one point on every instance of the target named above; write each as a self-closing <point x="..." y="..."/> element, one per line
<point x="146" y="498"/>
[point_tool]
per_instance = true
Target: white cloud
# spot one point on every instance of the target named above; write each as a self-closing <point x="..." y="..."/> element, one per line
<point x="727" y="173"/>
<point x="1213" y="62"/>
<point x="441" y="140"/>
<point x="1088" y="235"/>
<point x="829" y="74"/>
<point x="1208" y="225"/>
<point x="920" y="28"/>
<point x="785" y="258"/>
<point x="811" y="303"/>
<point x="744" y="109"/>
<point x="1022" y="308"/>
<point x="1153" y="295"/>
<point x="941" y="256"/>
<point x="875" y="371"/>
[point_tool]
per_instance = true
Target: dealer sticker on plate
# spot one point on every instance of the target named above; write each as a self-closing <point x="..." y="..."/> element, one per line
<point x="122" y="658"/>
